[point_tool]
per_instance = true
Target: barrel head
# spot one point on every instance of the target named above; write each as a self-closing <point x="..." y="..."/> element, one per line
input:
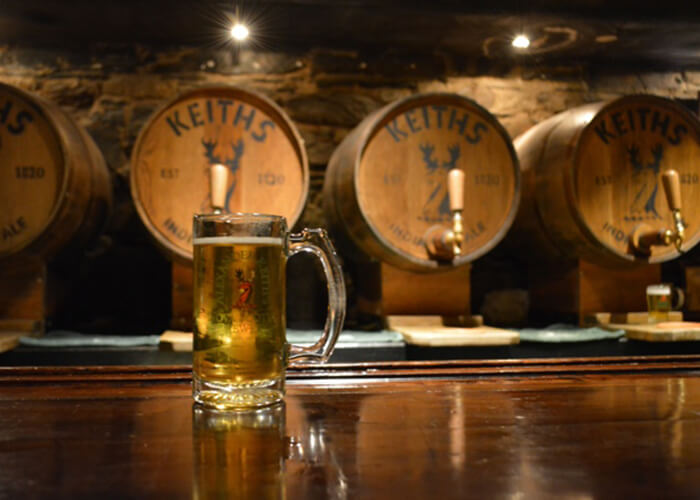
<point x="616" y="180"/>
<point x="33" y="170"/>
<point x="402" y="177"/>
<point x="248" y="133"/>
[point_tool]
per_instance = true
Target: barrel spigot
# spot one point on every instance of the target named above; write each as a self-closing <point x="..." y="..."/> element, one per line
<point x="218" y="183"/>
<point x="672" y="188"/>
<point x="445" y="243"/>
<point x="644" y="237"/>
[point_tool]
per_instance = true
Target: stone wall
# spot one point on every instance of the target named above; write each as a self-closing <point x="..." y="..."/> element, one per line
<point x="112" y="91"/>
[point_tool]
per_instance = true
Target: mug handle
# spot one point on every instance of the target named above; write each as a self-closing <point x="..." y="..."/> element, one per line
<point x="316" y="242"/>
<point x="680" y="300"/>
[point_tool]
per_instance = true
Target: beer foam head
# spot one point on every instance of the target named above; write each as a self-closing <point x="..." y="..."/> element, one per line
<point x="659" y="289"/>
<point x="238" y="240"/>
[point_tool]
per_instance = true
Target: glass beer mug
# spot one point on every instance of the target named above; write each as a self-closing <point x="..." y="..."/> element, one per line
<point x="660" y="301"/>
<point x="240" y="347"/>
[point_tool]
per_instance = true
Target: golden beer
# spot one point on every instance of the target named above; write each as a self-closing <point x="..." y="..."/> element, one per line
<point x="239" y="454"/>
<point x="239" y="310"/>
<point x="240" y="346"/>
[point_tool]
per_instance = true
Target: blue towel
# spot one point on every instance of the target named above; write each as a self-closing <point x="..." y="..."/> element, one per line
<point x="62" y="338"/>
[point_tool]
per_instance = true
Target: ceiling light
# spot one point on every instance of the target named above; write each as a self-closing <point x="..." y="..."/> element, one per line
<point x="521" y="42"/>
<point x="239" y="32"/>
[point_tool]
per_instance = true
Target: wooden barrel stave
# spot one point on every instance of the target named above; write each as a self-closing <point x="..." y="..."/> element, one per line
<point x="337" y="205"/>
<point x="527" y="234"/>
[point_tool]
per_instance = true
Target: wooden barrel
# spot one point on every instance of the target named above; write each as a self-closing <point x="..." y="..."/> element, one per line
<point x="592" y="174"/>
<point x="170" y="164"/>
<point x="55" y="189"/>
<point x="386" y="182"/>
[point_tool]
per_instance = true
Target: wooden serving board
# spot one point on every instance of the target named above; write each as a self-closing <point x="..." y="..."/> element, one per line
<point x="454" y="336"/>
<point x="9" y="340"/>
<point x="671" y="331"/>
<point x="630" y="318"/>
<point x="172" y="340"/>
<point x="12" y="329"/>
<point x="430" y="331"/>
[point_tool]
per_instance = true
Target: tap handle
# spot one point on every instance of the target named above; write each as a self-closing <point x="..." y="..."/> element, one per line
<point x="219" y="181"/>
<point x="672" y="188"/>
<point x="455" y="189"/>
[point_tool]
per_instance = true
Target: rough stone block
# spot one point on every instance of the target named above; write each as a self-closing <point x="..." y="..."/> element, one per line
<point x="320" y="142"/>
<point x="106" y="124"/>
<point x="343" y="109"/>
<point x="71" y="92"/>
<point x="142" y="86"/>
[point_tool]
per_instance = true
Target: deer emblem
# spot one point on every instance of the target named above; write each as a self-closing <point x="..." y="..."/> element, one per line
<point x="639" y="168"/>
<point x="434" y="167"/>
<point x="232" y="163"/>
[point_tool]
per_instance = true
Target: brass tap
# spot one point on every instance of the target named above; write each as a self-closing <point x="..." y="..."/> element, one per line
<point x="443" y="243"/>
<point x="644" y="237"/>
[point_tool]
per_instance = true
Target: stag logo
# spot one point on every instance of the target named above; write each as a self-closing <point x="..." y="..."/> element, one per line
<point x="232" y="163"/>
<point x="644" y="204"/>
<point x="437" y="172"/>
<point x="245" y="287"/>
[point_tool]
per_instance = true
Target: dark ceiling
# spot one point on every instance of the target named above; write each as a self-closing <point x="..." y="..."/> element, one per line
<point x="658" y="34"/>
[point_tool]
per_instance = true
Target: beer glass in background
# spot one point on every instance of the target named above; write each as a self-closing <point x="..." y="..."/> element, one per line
<point x="240" y="347"/>
<point x="239" y="454"/>
<point x="660" y="301"/>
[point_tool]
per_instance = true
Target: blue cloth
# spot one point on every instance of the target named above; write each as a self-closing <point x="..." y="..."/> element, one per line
<point x="62" y="338"/>
<point x="567" y="333"/>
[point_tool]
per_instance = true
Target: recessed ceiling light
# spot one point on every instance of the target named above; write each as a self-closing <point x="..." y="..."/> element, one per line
<point x="239" y="32"/>
<point x="521" y="42"/>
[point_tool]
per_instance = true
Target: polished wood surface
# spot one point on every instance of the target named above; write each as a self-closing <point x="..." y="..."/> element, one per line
<point x="447" y="293"/>
<point x="692" y="289"/>
<point x="23" y="294"/>
<point x="623" y="428"/>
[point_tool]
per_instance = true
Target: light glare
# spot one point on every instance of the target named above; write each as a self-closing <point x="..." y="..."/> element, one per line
<point x="521" y="42"/>
<point x="239" y="32"/>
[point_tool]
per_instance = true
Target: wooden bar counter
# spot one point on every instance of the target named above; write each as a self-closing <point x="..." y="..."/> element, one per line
<point x="566" y="428"/>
